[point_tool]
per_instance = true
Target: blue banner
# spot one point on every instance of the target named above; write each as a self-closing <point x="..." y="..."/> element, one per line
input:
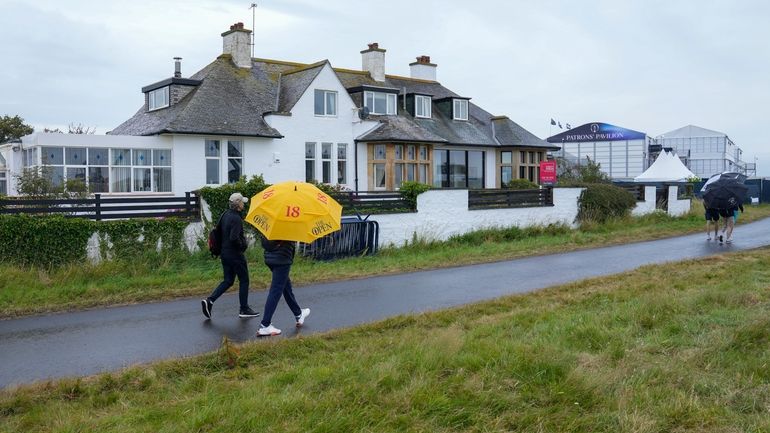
<point x="596" y="132"/>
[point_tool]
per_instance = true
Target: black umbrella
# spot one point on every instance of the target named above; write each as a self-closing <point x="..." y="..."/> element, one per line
<point x="739" y="177"/>
<point x="725" y="193"/>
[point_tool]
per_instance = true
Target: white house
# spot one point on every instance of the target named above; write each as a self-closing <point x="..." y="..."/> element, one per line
<point x="364" y="130"/>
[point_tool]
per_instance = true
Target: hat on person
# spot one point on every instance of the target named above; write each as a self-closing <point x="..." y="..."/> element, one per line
<point x="238" y="197"/>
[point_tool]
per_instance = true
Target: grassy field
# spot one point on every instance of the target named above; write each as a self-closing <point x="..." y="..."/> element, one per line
<point x="673" y="348"/>
<point x="26" y="291"/>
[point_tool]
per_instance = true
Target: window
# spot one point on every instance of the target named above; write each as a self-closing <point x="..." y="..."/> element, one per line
<point x="325" y="103"/>
<point x="98" y="170"/>
<point x="158" y="98"/>
<point x="342" y="163"/>
<point x="461" y="109"/>
<point x="326" y="162"/>
<point x="422" y="106"/>
<point x="212" y="153"/>
<point x="29" y="157"/>
<point x="234" y="160"/>
<point x="3" y="183"/>
<point x="309" y="162"/>
<point x="380" y="102"/>
<point x="142" y="160"/>
<point x="506" y="167"/>
<point x="458" y="169"/>
<point x="161" y="170"/>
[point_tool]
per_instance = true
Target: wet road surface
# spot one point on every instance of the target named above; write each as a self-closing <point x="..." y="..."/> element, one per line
<point x="89" y="342"/>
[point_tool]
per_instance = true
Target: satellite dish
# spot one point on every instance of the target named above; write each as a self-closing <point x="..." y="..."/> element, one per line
<point x="363" y="113"/>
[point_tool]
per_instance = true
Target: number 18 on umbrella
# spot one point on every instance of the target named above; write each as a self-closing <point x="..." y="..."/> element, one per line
<point x="294" y="211"/>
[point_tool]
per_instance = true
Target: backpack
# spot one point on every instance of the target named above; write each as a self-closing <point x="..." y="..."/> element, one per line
<point x="215" y="239"/>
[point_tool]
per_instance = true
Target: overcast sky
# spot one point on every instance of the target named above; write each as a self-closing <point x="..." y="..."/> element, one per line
<point x="652" y="66"/>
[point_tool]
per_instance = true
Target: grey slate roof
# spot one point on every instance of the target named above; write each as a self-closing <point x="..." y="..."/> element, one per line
<point x="233" y="101"/>
<point x="229" y="101"/>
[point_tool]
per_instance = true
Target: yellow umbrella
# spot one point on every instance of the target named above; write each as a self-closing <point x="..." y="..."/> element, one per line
<point x="294" y="211"/>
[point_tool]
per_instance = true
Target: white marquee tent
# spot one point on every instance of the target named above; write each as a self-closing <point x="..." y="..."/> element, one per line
<point x="666" y="168"/>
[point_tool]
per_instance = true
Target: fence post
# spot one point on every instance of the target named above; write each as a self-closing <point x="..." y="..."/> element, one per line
<point x="98" y="207"/>
<point x="188" y="204"/>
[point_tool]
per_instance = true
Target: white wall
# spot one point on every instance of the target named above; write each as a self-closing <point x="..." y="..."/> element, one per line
<point x="444" y="213"/>
<point x="304" y="126"/>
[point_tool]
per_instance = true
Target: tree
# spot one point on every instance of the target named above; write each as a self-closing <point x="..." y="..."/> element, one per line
<point x="73" y="128"/>
<point x="12" y="128"/>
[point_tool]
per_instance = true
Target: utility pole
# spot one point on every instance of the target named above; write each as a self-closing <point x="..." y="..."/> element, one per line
<point x="253" y="8"/>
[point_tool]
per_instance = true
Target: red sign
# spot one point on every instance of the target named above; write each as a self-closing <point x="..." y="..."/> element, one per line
<point x="547" y="172"/>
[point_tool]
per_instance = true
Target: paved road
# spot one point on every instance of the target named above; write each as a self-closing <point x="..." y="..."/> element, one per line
<point x="89" y="342"/>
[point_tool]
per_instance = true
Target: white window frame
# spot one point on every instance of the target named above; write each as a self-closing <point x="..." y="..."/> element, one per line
<point x="460" y="107"/>
<point x="326" y="162"/>
<point x="310" y="157"/>
<point x="158" y="98"/>
<point x="342" y="163"/>
<point x="218" y="158"/>
<point x="325" y="94"/>
<point x="390" y="102"/>
<point x="234" y="158"/>
<point x="422" y="106"/>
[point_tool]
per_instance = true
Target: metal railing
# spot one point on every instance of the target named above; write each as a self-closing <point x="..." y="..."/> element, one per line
<point x="356" y="238"/>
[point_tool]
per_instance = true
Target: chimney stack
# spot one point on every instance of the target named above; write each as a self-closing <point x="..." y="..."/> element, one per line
<point x="373" y="61"/>
<point x="177" y="67"/>
<point x="235" y="42"/>
<point x="423" y="69"/>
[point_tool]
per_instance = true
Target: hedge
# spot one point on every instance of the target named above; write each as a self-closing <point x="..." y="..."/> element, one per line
<point x="600" y="202"/>
<point x="56" y="240"/>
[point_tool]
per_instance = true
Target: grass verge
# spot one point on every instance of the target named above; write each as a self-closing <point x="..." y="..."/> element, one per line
<point x="26" y="291"/>
<point x="665" y="348"/>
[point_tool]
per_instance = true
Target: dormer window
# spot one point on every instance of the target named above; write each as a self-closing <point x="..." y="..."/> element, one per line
<point x="460" y="109"/>
<point x="422" y="106"/>
<point x="158" y="98"/>
<point x="380" y="102"/>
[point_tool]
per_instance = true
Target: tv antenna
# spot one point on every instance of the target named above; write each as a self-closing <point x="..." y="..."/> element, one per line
<point x="253" y="8"/>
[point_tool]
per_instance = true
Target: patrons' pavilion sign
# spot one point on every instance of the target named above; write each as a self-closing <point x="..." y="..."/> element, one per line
<point x="594" y="132"/>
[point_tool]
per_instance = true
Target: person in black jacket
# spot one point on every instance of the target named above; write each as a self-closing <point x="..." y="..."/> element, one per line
<point x="279" y="256"/>
<point x="233" y="261"/>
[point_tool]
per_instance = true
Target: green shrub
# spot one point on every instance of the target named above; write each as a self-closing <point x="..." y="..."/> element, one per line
<point x="521" y="184"/>
<point x="218" y="197"/>
<point x="56" y="240"/>
<point x="601" y="202"/>
<point x="410" y="190"/>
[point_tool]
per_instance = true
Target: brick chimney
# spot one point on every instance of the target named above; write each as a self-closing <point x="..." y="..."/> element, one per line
<point x="373" y="61"/>
<point x="423" y="69"/>
<point x="236" y="43"/>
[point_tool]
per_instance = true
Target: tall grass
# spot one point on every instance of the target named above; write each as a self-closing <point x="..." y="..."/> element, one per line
<point x="665" y="348"/>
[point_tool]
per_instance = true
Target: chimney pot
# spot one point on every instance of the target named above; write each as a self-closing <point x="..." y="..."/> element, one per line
<point x="177" y="67"/>
<point x="374" y="46"/>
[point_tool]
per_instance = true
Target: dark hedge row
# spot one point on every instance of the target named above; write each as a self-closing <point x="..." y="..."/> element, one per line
<point x="56" y="240"/>
<point x="600" y="202"/>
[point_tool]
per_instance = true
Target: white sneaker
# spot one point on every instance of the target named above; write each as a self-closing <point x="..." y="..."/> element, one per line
<point x="729" y="240"/>
<point x="302" y="316"/>
<point x="265" y="331"/>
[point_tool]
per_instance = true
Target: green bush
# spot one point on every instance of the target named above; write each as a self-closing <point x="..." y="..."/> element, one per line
<point x="56" y="240"/>
<point x="410" y="190"/>
<point x="601" y="202"/>
<point x="218" y="197"/>
<point x="520" y="184"/>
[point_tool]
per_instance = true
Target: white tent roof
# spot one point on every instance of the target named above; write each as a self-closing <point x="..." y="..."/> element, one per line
<point x="692" y="131"/>
<point x="666" y="168"/>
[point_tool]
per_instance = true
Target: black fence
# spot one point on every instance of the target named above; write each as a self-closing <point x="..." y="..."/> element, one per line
<point x="509" y="198"/>
<point x="636" y="189"/>
<point x="357" y="237"/>
<point x="98" y="208"/>
<point x="373" y="202"/>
